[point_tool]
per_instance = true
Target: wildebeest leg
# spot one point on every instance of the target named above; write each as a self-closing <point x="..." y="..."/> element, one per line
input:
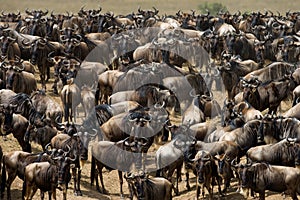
<point x="74" y="174"/>
<point x="43" y="194"/>
<point x="104" y="191"/>
<point x="121" y="183"/>
<point x="66" y="111"/>
<point x="32" y="192"/>
<point x="262" y="195"/>
<point x="78" y="183"/>
<point x="197" y="191"/>
<point x="54" y="86"/>
<point x="178" y="176"/>
<point x="10" y="179"/>
<point x="187" y="175"/>
<point x="48" y="74"/>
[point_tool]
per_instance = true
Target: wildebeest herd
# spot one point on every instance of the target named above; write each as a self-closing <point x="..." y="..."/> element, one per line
<point x="133" y="75"/>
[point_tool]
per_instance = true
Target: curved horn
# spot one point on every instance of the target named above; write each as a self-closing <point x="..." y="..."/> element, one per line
<point x="156" y="106"/>
<point x="95" y="134"/>
<point x="192" y="95"/>
<point x="234" y="163"/>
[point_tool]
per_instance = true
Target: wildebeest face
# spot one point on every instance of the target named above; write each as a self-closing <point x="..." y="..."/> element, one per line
<point x="36" y="48"/>
<point x="10" y="76"/>
<point x="246" y="175"/>
<point x="63" y="166"/>
<point x="7" y="119"/>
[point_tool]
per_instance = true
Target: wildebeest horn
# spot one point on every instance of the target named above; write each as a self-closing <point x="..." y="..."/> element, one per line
<point x="47" y="148"/>
<point x="291" y="140"/>
<point x="156" y="106"/>
<point x="249" y="162"/>
<point x="63" y="38"/>
<point x="26" y="44"/>
<point x="71" y="159"/>
<point x="192" y="95"/>
<point x="234" y="163"/>
<point x="50" y="55"/>
<point x="94" y="135"/>
<point x="11" y="39"/>
<point x="42" y="41"/>
<point x="19" y="68"/>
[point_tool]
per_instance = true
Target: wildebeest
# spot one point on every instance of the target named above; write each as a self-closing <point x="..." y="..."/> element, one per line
<point x="14" y="164"/>
<point x="269" y="94"/>
<point x="19" y="80"/>
<point x="144" y="187"/>
<point x="119" y="159"/>
<point x="15" y="124"/>
<point x="73" y="144"/>
<point x="168" y="159"/>
<point x="260" y="177"/>
<point x="281" y="153"/>
<point x="70" y="97"/>
<point x="206" y="172"/>
<point x="46" y="176"/>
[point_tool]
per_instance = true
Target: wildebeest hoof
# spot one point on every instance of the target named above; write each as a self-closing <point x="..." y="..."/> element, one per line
<point x="78" y="193"/>
<point x="104" y="191"/>
<point x="55" y="91"/>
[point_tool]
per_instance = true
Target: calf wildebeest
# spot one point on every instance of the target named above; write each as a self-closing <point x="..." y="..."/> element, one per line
<point x="143" y="187"/>
<point x="47" y="176"/>
<point x="260" y="177"/>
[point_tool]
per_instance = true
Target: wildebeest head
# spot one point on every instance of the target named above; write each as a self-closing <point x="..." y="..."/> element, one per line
<point x="221" y="162"/>
<point x="12" y="73"/>
<point x="6" y="118"/>
<point x="203" y="163"/>
<point x="63" y="165"/>
<point x="36" y="50"/>
<point x="6" y="41"/>
<point x="136" y="182"/>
